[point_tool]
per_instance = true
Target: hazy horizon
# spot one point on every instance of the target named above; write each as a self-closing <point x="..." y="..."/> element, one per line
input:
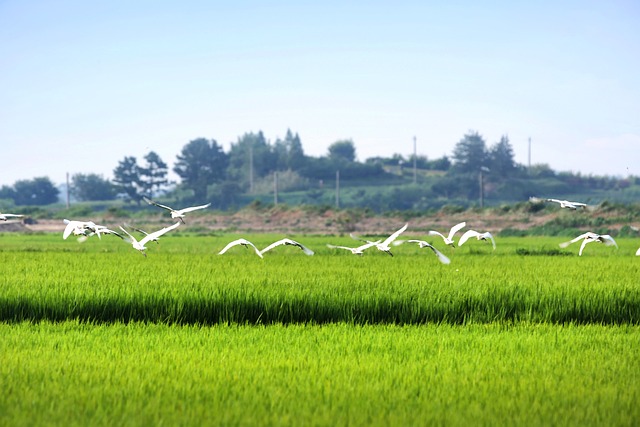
<point x="85" y="85"/>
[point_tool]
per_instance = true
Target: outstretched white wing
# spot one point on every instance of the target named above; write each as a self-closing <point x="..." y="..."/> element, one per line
<point x="423" y="244"/>
<point x="607" y="240"/>
<point x="441" y="257"/>
<point x="244" y="242"/>
<point x="584" y="243"/>
<point x="435" y="233"/>
<point x="8" y="215"/>
<point x="339" y="247"/>
<point x="489" y="236"/>
<point x="394" y="236"/>
<point x="580" y="237"/>
<point x="455" y="229"/>
<point x="467" y="235"/>
<point x="287" y="242"/>
<point x="151" y="202"/>
<point x="156" y="234"/>
<point x="193" y="208"/>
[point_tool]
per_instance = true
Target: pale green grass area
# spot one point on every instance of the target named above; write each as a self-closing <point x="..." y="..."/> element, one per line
<point x="74" y="373"/>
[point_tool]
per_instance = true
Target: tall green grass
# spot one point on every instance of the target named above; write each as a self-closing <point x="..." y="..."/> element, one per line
<point x="74" y="373"/>
<point x="184" y="281"/>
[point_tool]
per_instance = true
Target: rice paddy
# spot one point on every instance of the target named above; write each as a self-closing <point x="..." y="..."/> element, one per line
<point x="96" y="334"/>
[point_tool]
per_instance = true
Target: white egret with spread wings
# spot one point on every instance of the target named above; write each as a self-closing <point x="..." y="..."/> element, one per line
<point x="176" y="213"/>
<point x="287" y="242"/>
<point x="479" y="236"/>
<point x="590" y="237"/>
<point x="140" y="245"/>
<point x="242" y="242"/>
<point x="448" y="240"/>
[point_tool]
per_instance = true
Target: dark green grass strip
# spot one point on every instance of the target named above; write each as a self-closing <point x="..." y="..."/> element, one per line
<point x="502" y="305"/>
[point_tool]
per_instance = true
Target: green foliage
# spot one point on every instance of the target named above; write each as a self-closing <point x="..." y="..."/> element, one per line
<point x="153" y="176"/>
<point x="200" y="164"/>
<point x="88" y="187"/>
<point x="470" y="154"/>
<point x="342" y="151"/>
<point x="127" y="178"/>
<point x="37" y="191"/>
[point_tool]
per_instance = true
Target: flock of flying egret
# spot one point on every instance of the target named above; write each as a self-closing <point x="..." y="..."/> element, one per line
<point x="85" y="229"/>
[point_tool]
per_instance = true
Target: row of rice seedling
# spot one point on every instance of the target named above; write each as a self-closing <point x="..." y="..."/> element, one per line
<point x="75" y="373"/>
<point x="184" y="281"/>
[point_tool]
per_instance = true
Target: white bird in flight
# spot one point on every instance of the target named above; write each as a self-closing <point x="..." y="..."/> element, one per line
<point x="384" y="246"/>
<point x="85" y="229"/>
<point x="441" y="257"/>
<point x="287" y="242"/>
<point x="480" y="236"/>
<point x="139" y="245"/>
<point x="243" y="242"/>
<point x="567" y="204"/>
<point x="176" y="213"/>
<point x="78" y="228"/>
<point x="6" y="216"/>
<point x="141" y="231"/>
<point x="449" y="239"/>
<point x="356" y="251"/>
<point x="589" y="237"/>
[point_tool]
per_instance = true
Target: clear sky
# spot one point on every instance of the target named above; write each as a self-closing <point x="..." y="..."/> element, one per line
<point x="84" y="84"/>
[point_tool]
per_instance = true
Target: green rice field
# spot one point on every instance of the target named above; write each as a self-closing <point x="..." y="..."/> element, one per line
<point x="528" y="334"/>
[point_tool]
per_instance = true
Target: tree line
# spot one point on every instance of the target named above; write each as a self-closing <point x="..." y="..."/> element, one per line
<point x="207" y="172"/>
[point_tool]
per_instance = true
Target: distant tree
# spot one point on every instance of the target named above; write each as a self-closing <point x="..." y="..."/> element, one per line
<point x="441" y="164"/>
<point x="251" y="156"/>
<point x="289" y="153"/>
<point x="200" y="164"/>
<point x="126" y="177"/>
<point x="541" y="170"/>
<point x="7" y="192"/>
<point x="470" y="154"/>
<point x="153" y="175"/>
<point x="343" y="150"/>
<point x="501" y="158"/>
<point x="92" y="187"/>
<point x="37" y="191"/>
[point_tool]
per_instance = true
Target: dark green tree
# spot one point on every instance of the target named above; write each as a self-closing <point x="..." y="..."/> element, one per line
<point x="251" y="157"/>
<point x="470" y="154"/>
<point x="126" y="177"/>
<point x="7" y="192"/>
<point x="200" y="164"/>
<point x="289" y="153"/>
<point x="37" y="191"/>
<point x="92" y="187"/>
<point x="501" y="158"/>
<point x="153" y="175"/>
<point x="343" y="150"/>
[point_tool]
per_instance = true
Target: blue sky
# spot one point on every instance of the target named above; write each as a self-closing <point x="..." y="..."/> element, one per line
<point x="84" y="84"/>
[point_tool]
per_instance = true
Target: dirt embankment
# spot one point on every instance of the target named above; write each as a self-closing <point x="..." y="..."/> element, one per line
<point x="309" y="221"/>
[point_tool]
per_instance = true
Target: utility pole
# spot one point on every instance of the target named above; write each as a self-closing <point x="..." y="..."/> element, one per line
<point x="67" y="190"/>
<point x="275" y="188"/>
<point x="483" y="169"/>
<point x="481" y="189"/>
<point x="338" y="189"/>
<point x="529" y="154"/>
<point x="251" y="168"/>
<point x="415" y="160"/>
